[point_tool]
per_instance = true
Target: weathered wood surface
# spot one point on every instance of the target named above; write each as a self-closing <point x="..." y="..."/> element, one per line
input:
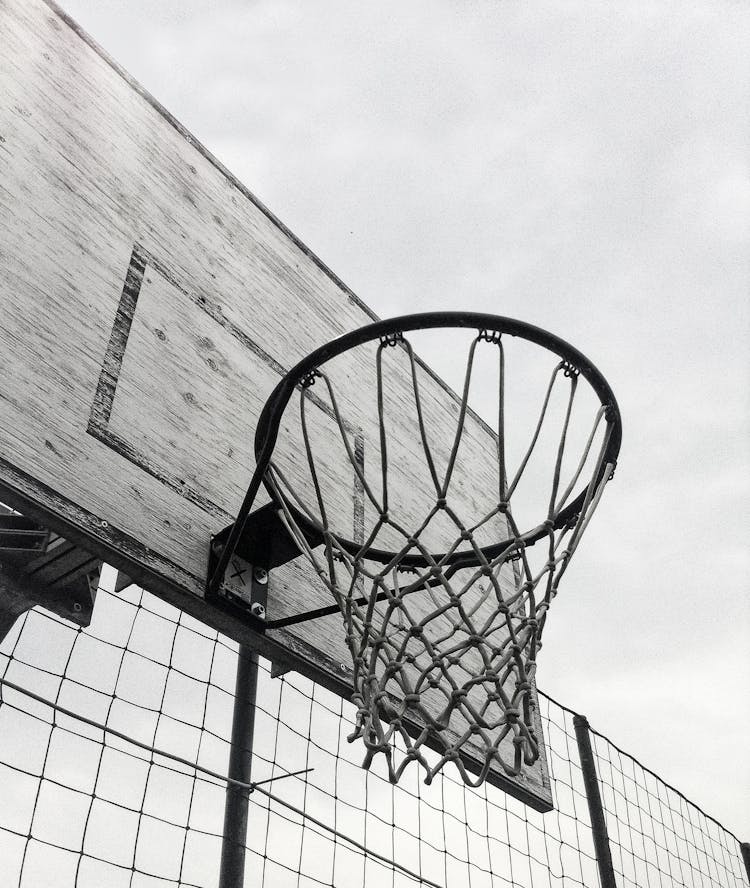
<point x="149" y="306"/>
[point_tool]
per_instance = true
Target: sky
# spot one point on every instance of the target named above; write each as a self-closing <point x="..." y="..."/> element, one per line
<point x="580" y="166"/>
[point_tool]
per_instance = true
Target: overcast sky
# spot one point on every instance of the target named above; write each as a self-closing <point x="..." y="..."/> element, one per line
<point x="584" y="167"/>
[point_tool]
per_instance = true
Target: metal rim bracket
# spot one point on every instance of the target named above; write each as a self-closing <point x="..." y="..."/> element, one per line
<point x="244" y="585"/>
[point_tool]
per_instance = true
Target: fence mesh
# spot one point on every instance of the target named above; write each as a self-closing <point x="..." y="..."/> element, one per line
<point x="84" y="807"/>
<point x="657" y="837"/>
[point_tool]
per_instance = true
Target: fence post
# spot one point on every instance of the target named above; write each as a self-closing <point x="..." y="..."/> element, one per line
<point x="594" y="799"/>
<point x="745" y="848"/>
<point x="234" y="837"/>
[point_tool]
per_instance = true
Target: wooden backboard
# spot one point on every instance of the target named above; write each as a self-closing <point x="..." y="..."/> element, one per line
<point x="149" y="305"/>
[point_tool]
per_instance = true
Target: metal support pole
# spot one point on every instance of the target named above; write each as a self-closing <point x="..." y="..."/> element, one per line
<point x="745" y="848"/>
<point x="232" y="873"/>
<point x="594" y="799"/>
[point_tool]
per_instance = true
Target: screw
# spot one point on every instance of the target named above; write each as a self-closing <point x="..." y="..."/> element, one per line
<point x="260" y="575"/>
<point x="77" y="607"/>
<point x="257" y="610"/>
<point x="343" y="667"/>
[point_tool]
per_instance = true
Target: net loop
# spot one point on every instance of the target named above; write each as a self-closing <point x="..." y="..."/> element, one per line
<point x="309" y="379"/>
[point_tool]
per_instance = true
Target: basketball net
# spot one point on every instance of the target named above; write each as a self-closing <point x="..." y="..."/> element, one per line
<point x="470" y="661"/>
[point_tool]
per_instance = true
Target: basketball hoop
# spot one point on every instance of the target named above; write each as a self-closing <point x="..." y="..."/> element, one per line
<point x="448" y="636"/>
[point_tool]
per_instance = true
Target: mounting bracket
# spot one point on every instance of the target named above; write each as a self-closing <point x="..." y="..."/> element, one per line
<point x="265" y="540"/>
<point x="244" y="586"/>
<point x="38" y="567"/>
<point x="264" y="543"/>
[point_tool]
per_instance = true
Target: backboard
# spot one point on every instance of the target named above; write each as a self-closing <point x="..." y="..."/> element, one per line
<point x="150" y="306"/>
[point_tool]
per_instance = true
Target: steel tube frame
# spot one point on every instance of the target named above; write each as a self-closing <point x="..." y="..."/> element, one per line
<point x="234" y="836"/>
